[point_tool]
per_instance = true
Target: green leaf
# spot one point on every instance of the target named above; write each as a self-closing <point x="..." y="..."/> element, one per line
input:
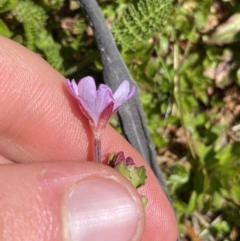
<point x="142" y="176"/>
<point x="200" y="181"/>
<point x="236" y="192"/>
<point x="226" y="33"/>
<point x="152" y="68"/>
<point x="4" y="30"/>
<point x="8" y="5"/>
<point x="18" y="39"/>
<point x="135" y="179"/>
<point x="136" y="175"/>
<point x="144" y="200"/>
<point x="180" y="206"/>
<point x="222" y="227"/>
<point x="192" y="202"/>
<point x="229" y="154"/>
<point x="217" y="200"/>
<point x="122" y="168"/>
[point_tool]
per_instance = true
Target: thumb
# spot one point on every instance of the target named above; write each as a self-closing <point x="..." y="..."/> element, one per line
<point x="68" y="201"/>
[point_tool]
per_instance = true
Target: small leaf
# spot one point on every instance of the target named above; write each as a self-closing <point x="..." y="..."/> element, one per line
<point x="200" y="181"/>
<point x="226" y="33"/>
<point x="126" y="166"/>
<point x="136" y="175"/>
<point x="135" y="179"/>
<point x="144" y="201"/>
<point x="192" y="202"/>
<point x="236" y="193"/>
<point x="9" y="5"/>
<point x="4" y="30"/>
<point x="142" y="176"/>
<point x="122" y="168"/>
<point x="111" y="159"/>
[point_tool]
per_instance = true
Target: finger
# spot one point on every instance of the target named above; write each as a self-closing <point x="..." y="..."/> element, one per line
<point x="40" y="121"/>
<point x="68" y="201"/>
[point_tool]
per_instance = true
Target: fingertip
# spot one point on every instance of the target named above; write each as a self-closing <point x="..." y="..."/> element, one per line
<point x="68" y="201"/>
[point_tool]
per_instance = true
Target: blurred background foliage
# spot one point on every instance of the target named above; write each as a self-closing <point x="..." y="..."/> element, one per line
<point x="185" y="57"/>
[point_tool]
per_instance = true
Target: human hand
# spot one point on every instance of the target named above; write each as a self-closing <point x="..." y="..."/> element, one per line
<point x="48" y="190"/>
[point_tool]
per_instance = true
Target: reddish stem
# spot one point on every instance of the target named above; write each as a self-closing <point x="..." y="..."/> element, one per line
<point x="97" y="148"/>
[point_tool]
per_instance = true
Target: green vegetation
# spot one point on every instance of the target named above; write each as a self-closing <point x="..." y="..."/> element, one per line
<point x="141" y="22"/>
<point x="185" y="57"/>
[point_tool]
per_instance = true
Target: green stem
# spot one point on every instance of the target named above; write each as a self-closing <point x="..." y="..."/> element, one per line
<point x="178" y="92"/>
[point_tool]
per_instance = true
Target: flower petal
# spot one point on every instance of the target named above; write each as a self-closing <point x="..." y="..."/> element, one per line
<point x="84" y="111"/>
<point x="87" y="88"/>
<point x="87" y="96"/>
<point x="104" y="97"/>
<point x="122" y="94"/>
<point x="105" y="116"/>
<point x="72" y="87"/>
<point x="119" y="157"/>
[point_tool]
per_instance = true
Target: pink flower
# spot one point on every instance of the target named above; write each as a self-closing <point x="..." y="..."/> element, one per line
<point x="99" y="105"/>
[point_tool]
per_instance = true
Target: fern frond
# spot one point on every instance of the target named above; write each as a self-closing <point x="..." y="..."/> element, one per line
<point x="54" y="4"/>
<point x="37" y="38"/>
<point x="33" y="18"/>
<point x="31" y="33"/>
<point x="50" y="49"/>
<point x="141" y="22"/>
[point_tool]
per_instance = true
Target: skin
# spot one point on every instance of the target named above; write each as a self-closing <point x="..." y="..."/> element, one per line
<point x="45" y="137"/>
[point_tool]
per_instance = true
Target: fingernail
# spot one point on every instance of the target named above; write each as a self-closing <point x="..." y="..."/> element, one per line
<point x="101" y="209"/>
